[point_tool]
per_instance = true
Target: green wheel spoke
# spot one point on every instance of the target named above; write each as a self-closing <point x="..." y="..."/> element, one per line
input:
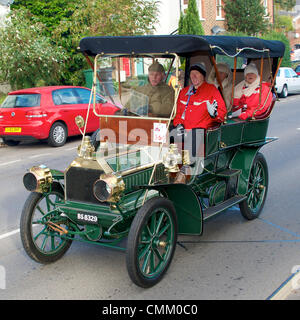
<point x="39" y="234"/>
<point x="44" y="242"/>
<point x="144" y="252"/>
<point x="152" y="262"/>
<point x="159" y="256"/>
<point x="164" y="229"/>
<point x="159" y="222"/>
<point x="40" y="210"/>
<point x="146" y="261"/>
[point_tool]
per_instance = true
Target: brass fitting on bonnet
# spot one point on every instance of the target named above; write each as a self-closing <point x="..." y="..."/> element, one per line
<point x="172" y="158"/>
<point x="86" y="149"/>
<point x="38" y="179"/>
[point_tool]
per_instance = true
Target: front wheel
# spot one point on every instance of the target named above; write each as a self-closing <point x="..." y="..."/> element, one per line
<point x="257" y="189"/>
<point x="40" y="241"/>
<point x="151" y="242"/>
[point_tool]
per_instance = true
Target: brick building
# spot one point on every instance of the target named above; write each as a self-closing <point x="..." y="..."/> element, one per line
<point x="211" y="14"/>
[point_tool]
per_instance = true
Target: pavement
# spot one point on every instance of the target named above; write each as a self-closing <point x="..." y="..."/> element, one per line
<point x="289" y="289"/>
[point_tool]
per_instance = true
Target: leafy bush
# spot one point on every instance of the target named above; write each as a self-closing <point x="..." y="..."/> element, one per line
<point x="28" y="57"/>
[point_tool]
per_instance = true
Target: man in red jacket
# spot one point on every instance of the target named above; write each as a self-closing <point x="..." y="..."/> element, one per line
<point x="198" y="106"/>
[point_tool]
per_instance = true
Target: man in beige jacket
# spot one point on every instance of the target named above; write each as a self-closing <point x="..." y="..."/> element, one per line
<point x="161" y="96"/>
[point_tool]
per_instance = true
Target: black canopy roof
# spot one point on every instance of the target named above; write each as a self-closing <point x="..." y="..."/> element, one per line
<point x="183" y="45"/>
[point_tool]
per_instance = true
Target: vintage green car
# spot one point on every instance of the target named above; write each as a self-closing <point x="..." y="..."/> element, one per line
<point x="120" y="194"/>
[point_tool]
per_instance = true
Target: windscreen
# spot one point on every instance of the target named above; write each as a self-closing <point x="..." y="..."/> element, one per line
<point x="21" y="101"/>
<point x="141" y="86"/>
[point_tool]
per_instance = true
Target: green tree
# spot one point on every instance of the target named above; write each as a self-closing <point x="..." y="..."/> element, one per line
<point x="68" y="21"/>
<point x="273" y="35"/>
<point x="247" y="16"/>
<point x="285" y="4"/>
<point x="283" y="23"/>
<point x="190" y="23"/>
<point x="28" y="58"/>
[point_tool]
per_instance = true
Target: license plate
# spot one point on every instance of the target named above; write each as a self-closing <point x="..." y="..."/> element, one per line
<point x="88" y="218"/>
<point x="12" y="129"/>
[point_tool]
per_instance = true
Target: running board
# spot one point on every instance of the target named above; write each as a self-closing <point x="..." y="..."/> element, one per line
<point x="211" y="211"/>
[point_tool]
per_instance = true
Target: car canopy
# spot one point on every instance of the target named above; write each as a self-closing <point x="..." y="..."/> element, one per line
<point x="182" y="45"/>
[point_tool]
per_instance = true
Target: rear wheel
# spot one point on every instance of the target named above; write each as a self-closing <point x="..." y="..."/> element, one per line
<point x="284" y="92"/>
<point x="151" y="242"/>
<point x="41" y="242"/>
<point x="57" y="135"/>
<point x="257" y="189"/>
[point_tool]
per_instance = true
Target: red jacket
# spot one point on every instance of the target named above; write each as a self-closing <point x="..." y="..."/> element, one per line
<point x="251" y="103"/>
<point x="196" y="114"/>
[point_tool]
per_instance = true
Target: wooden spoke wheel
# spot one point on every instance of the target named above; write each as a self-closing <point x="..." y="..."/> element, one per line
<point x="257" y="189"/>
<point x="151" y="242"/>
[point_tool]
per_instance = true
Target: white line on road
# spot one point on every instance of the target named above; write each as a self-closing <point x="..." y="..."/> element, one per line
<point x="10" y="162"/>
<point x="40" y="155"/>
<point x="8" y="234"/>
<point x="73" y="148"/>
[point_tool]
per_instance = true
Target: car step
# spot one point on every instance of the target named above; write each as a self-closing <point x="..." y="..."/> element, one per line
<point x="228" y="173"/>
<point x="211" y="211"/>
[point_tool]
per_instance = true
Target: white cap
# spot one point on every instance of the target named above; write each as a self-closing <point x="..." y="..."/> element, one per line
<point x="251" y="68"/>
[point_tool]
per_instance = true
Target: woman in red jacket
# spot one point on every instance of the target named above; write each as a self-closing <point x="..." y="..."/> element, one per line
<point x="198" y="106"/>
<point x="247" y="92"/>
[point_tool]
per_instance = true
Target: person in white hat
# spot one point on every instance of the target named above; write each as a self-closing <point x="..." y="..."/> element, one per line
<point x="226" y="81"/>
<point x="247" y="92"/>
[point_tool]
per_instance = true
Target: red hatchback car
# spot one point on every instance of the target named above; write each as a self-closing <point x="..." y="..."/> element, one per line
<point x="48" y="113"/>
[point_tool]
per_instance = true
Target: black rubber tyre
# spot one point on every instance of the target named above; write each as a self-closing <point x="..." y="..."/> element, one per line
<point x="11" y="143"/>
<point x="284" y="93"/>
<point x="40" y="242"/>
<point x="257" y="189"/>
<point x="58" y="135"/>
<point x="151" y="242"/>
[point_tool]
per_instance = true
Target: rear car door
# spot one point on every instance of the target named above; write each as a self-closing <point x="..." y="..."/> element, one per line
<point x="68" y="107"/>
<point x="83" y="96"/>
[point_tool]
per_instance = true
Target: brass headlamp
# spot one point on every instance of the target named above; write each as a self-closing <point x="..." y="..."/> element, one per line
<point x="38" y="179"/>
<point x="109" y="187"/>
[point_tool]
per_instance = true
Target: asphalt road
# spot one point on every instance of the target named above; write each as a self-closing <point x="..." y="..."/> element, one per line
<point x="234" y="259"/>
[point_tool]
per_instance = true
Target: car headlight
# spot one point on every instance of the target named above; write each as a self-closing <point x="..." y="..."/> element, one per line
<point x="109" y="188"/>
<point x="38" y="179"/>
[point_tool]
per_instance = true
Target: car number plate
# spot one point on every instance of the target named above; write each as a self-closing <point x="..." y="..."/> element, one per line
<point x="89" y="218"/>
<point x="13" y="129"/>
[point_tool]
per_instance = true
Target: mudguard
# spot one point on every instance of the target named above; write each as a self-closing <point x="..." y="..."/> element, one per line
<point x="187" y="205"/>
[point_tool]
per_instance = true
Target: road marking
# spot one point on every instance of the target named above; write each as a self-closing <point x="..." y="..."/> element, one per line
<point x="8" y="234"/>
<point x="40" y="155"/>
<point x="73" y="148"/>
<point x="10" y="162"/>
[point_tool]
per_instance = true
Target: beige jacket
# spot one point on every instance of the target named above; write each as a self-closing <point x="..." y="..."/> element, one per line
<point x="226" y="84"/>
<point x="161" y="98"/>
